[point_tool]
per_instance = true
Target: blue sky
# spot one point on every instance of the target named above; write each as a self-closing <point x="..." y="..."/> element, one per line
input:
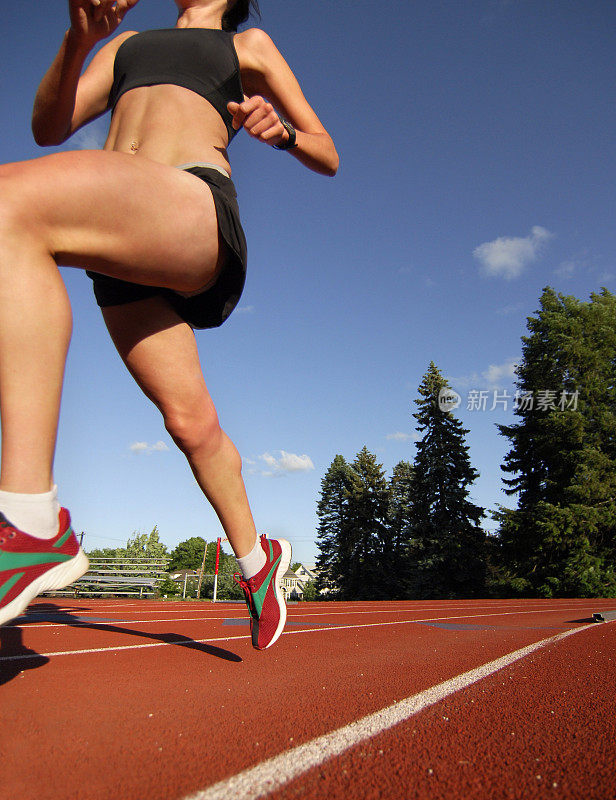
<point x="476" y="145"/>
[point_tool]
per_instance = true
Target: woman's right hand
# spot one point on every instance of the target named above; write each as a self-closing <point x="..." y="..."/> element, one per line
<point x="93" y="20"/>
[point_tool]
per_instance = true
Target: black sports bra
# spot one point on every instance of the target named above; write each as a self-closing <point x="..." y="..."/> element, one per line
<point x="203" y="60"/>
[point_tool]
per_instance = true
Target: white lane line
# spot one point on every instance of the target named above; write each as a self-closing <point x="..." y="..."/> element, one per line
<point x="360" y="609"/>
<point x="188" y="643"/>
<point x="271" y="775"/>
<point x="83" y="623"/>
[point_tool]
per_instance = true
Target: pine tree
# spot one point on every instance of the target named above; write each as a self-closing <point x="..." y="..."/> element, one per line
<point x="448" y="545"/>
<point x="400" y="521"/>
<point x="561" y="538"/>
<point x="333" y="536"/>
<point x="370" y="572"/>
<point x="400" y="509"/>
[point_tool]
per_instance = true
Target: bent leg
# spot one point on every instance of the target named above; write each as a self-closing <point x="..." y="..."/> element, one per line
<point x="160" y="351"/>
<point x="35" y="330"/>
<point x="124" y="216"/>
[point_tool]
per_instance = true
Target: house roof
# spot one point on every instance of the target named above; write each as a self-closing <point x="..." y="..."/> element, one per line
<point x="307" y="570"/>
<point x="290" y="574"/>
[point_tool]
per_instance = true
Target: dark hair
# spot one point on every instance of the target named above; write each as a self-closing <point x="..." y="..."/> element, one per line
<point x="239" y="13"/>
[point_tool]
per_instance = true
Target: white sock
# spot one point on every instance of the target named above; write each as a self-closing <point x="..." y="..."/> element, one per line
<point x="36" y="514"/>
<point x="253" y="562"/>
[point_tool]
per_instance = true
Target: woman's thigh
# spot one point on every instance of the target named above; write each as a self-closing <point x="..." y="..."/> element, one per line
<point x="121" y="215"/>
<point x="160" y="351"/>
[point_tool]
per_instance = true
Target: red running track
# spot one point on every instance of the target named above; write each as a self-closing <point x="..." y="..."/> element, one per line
<point x="128" y="700"/>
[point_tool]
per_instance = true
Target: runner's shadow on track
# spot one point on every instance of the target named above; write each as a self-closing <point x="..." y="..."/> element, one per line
<point x="15" y="657"/>
<point x="50" y="612"/>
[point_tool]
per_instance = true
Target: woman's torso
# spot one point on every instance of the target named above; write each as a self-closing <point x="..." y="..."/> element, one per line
<point x="170" y="92"/>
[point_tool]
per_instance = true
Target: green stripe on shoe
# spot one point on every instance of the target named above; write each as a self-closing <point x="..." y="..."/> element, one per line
<point x="259" y="597"/>
<point x="9" y="561"/>
<point x="8" y="585"/>
<point x="61" y="541"/>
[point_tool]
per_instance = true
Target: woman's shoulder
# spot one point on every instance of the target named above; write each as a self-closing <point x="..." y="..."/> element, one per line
<point x="254" y="38"/>
<point x="113" y="45"/>
<point x="255" y="48"/>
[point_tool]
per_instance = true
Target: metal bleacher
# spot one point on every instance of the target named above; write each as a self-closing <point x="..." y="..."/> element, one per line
<point x="120" y="577"/>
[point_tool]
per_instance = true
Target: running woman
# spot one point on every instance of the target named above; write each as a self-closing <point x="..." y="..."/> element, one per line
<point x="154" y="219"/>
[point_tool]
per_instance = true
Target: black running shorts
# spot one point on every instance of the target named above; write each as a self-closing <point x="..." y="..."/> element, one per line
<point x="210" y="308"/>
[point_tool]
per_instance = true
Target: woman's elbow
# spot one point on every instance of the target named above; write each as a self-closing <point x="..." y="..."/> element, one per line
<point x="42" y="139"/>
<point x="45" y="135"/>
<point x="45" y="139"/>
<point x="333" y="163"/>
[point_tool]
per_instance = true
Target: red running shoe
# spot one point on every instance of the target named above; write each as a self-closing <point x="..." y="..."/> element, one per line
<point x="263" y="592"/>
<point x="29" y="565"/>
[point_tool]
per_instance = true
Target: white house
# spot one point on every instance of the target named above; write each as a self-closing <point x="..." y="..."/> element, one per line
<point x="305" y="573"/>
<point x="293" y="583"/>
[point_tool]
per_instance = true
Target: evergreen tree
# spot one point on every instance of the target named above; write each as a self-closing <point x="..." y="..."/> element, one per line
<point x="448" y="545"/>
<point x="370" y="572"/>
<point x="400" y="511"/>
<point x="561" y="539"/>
<point x="333" y="535"/>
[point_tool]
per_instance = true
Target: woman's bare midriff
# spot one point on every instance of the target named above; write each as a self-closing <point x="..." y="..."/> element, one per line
<point x="168" y="124"/>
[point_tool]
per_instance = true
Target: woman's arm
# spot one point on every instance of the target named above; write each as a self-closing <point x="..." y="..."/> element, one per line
<point x="65" y="99"/>
<point x="266" y="74"/>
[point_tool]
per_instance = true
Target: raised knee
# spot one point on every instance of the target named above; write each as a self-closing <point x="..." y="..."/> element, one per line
<point x="194" y="429"/>
<point x="14" y="212"/>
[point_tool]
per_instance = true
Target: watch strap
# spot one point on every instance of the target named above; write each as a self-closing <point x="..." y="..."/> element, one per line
<point x="292" y="140"/>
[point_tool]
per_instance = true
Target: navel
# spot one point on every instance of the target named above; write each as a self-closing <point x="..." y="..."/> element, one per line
<point x="134" y="146"/>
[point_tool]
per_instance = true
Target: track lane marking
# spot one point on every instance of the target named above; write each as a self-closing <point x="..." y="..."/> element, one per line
<point x="117" y="648"/>
<point x="271" y="775"/>
<point x="361" y="609"/>
<point x="82" y="624"/>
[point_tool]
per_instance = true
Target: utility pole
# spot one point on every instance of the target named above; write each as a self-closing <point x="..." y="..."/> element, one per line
<point x="201" y="573"/>
<point x="218" y="543"/>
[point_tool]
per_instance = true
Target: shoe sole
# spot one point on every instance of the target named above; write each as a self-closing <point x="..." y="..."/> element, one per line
<point x="57" y="577"/>
<point x="285" y="561"/>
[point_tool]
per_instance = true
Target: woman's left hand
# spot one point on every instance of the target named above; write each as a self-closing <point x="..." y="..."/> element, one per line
<point x="259" y="119"/>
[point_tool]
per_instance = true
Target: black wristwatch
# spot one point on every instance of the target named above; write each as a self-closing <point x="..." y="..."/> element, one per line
<point x="292" y="140"/>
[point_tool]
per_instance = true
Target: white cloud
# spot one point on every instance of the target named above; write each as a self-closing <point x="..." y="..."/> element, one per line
<point x="138" y="447"/>
<point x="507" y="256"/>
<point x="289" y="462"/>
<point x="144" y="447"/>
<point x="495" y="374"/>
<point x="277" y="466"/>
<point x="566" y="269"/>
<point x="494" y="377"/>
<point x="399" y="436"/>
<point x="512" y="308"/>
<point x="160" y="447"/>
